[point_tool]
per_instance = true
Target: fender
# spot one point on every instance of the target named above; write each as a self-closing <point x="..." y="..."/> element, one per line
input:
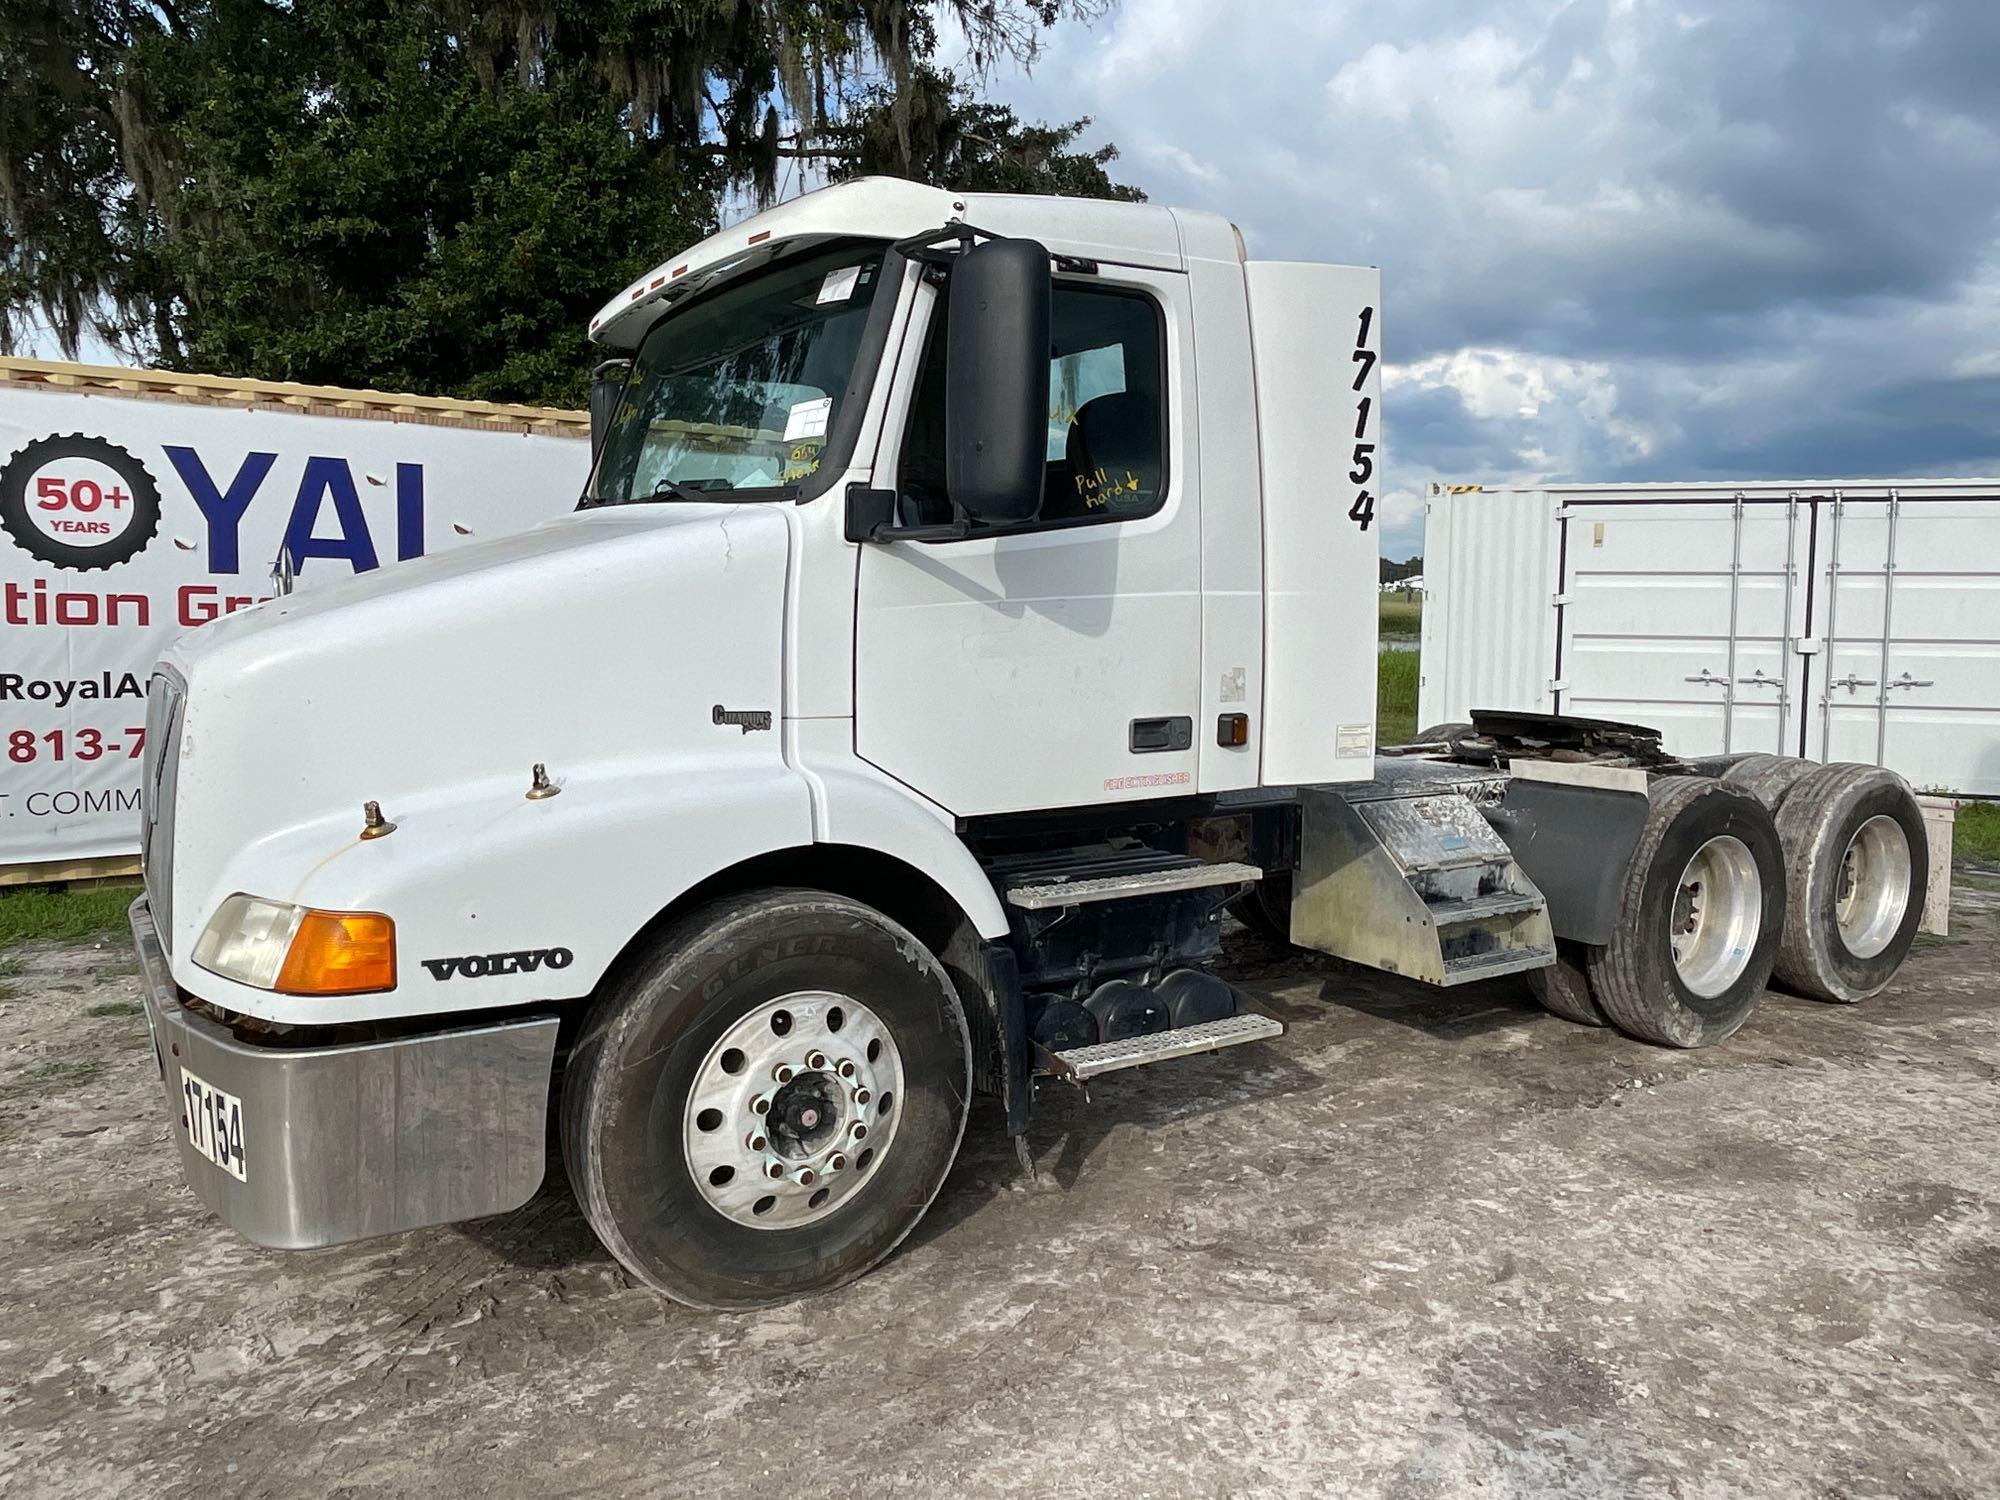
<point x="855" y="803"/>
<point x="478" y="871"/>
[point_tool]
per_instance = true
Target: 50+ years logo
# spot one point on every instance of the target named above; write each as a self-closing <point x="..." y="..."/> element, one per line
<point x="78" y="502"/>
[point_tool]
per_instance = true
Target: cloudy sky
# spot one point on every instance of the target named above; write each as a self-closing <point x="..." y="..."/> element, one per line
<point x="1619" y="239"/>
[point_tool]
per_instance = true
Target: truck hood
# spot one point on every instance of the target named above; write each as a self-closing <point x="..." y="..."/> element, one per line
<point x="435" y="686"/>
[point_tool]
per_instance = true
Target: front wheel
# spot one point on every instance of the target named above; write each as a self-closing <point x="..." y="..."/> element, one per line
<point x="765" y="1106"/>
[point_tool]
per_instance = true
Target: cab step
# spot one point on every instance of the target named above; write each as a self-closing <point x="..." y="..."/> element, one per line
<point x="1079" y="1064"/>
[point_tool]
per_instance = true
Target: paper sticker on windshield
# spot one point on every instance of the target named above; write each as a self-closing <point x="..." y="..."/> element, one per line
<point x="808" y="419"/>
<point x="839" y="285"/>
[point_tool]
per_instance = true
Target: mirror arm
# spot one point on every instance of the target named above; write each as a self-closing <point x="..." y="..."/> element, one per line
<point x="871" y="517"/>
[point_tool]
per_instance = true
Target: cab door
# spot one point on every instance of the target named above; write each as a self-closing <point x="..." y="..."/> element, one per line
<point x="1055" y="663"/>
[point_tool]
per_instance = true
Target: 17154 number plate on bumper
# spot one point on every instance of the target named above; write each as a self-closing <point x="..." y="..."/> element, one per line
<point x="214" y="1122"/>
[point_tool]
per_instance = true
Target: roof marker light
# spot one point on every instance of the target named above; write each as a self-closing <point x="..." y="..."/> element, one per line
<point x="659" y="281"/>
<point x="760" y="236"/>
<point x="679" y="270"/>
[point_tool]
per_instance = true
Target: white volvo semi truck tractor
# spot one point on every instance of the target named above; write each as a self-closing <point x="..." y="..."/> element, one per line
<point x="972" y="596"/>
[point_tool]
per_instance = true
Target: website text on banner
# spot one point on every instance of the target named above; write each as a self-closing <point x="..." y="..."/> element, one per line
<point x="136" y="504"/>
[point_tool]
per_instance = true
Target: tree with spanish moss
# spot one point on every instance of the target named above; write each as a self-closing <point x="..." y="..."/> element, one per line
<point x="435" y="196"/>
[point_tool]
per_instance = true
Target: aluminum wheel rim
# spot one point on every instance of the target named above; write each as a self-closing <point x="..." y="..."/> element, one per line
<point x="751" y="1160"/>
<point x="1874" y="886"/>
<point x="1718" y="912"/>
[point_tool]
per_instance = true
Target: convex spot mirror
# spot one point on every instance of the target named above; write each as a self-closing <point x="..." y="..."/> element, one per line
<point x="997" y="381"/>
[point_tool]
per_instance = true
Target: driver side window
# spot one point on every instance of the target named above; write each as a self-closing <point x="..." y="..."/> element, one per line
<point x="1107" y="414"/>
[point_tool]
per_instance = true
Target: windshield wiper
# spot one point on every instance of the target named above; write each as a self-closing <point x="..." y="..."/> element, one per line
<point x="674" y="489"/>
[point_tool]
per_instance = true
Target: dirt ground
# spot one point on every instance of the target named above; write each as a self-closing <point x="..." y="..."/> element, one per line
<point x="1424" y="1245"/>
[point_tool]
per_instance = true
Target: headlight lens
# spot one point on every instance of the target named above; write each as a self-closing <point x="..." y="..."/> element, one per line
<point x="247" y="940"/>
<point x="295" y="950"/>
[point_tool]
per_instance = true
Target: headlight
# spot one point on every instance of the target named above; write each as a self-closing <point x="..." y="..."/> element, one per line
<point x="295" y="950"/>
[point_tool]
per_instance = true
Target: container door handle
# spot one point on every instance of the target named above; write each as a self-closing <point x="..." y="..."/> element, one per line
<point x="1907" y="681"/>
<point x="1851" y="682"/>
<point x="1708" y="679"/>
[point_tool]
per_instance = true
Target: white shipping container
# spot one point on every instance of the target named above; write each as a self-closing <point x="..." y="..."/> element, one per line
<point x="135" y="504"/>
<point x="1837" y="620"/>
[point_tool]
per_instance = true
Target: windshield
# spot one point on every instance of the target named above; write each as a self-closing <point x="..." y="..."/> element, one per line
<point x="738" y="390"/>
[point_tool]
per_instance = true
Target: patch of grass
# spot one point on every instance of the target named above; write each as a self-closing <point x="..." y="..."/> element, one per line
<point x="54" y="1076"/>
<point x="116" y="1008"/>
<point x="1400" y="618"/>
<point x="1395" y="697"/>
<point x="73" y="915"/>
<point x="1975" y="834"/>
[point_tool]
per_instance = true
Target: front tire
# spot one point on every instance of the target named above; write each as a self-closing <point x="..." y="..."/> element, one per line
<point x="723" y="1170"/>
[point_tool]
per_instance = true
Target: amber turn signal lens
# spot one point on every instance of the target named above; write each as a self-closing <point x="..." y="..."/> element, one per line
<point x="340" y="953"/>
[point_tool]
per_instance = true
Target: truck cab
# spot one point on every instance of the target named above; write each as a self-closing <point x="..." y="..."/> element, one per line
<point x="971" y="596"/>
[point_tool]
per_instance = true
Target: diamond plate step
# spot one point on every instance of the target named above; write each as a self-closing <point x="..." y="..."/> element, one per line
<point x="1479" y="908"/>
<point x="1080" y="1063"/>
<point x="1499" y="961"/>
<point x="1138" y="883"/>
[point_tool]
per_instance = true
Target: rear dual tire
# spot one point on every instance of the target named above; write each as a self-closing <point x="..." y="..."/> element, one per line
<point x="1857" y="864"/>
<point x="1768" y="778"/>
<point x="1698" y="928"/>
<point x="1564" y="986"/>
<point x="1266" y="908"/>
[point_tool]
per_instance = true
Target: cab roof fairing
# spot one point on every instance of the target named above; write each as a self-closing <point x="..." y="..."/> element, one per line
<point x="890" y="209"/>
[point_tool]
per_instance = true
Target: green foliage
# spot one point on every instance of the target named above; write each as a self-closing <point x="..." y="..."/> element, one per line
<point x="943" y="134"/>
<point x="436" y="196"/>
<point x="1396" y="697"/>
<point x="1400" y="619"/>
<point x="76" y="914"/>
<point x="1975" y="833"/>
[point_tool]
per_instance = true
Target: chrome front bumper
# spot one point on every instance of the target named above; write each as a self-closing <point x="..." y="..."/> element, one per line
<point x="345" y="1143"/>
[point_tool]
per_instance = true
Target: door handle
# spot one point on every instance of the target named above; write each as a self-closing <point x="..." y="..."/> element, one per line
<point x="1149" y="736"/>
<point x="1851" y="682"/>
<point x="1907" y="681"/>
<point x="1708" y="679"/>
<point x="1758" y="679"/>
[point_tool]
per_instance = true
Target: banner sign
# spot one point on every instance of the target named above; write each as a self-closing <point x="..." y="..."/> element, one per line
<point x="127" y="519"/>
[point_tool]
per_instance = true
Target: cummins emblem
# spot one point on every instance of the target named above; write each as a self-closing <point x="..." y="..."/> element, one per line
<point x="747" y="718"/>
<point x="486" y="965"/>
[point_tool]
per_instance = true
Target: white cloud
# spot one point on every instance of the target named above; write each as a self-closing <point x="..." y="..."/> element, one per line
<point x="1146" y="37"/>
<point x="1469" y="79"/>
<point x="1618" y="241"/>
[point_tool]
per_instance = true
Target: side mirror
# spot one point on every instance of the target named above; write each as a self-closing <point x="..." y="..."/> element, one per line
<point x="996" y="419"/>
<point x="607" y="381"/>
